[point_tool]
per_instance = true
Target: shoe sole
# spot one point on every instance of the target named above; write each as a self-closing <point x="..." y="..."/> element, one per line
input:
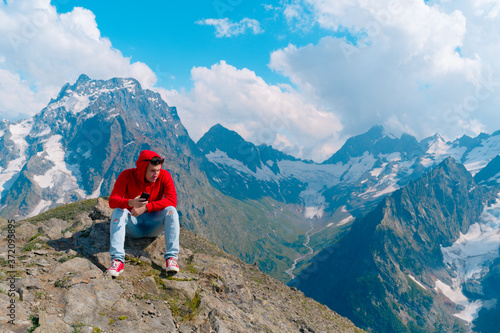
<point x="172" y="269"/>
<point x="115" y="273"/>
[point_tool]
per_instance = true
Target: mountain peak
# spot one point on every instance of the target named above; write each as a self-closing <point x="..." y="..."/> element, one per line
<point x="83" y="78"/>
<point x="375" y="141"/>
<point x="222" y="138"/>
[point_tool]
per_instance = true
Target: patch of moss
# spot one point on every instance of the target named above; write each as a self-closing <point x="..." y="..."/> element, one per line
<point x="191" y="268"/>
<point x="256" y="279"/>
<point x="64" y="259"/>
<point x="153" y="272"/>
<point x="35" y="236"/>
<point x="179" y="309"/>
<point x="159" y="282"/>
<point x="173" y="278"/>
<point x="76" y="327"/>
<point x="122" y="317"/>
<point x="136" y="261"/>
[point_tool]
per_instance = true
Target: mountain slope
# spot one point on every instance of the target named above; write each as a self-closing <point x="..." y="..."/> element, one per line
<point x="60" y="285"/>
<point x="351" y="183"/>
<point x="76" y="147"/>
<point x="242" y="170"/>
<point x="383" y="274"/>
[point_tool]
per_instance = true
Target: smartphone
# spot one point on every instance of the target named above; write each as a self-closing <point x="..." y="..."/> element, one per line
<point x="145" y="195"/>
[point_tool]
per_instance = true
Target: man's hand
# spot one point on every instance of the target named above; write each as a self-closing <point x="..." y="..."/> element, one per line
<point x="138" y="211"/>
<point x="139" y="205"/>
<point x="137" y="202"/>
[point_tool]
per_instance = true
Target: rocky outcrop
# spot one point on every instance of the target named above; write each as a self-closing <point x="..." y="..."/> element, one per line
<point x="60" y="285"/>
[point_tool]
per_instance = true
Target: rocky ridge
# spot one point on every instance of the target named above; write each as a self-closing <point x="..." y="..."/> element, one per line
<point x="60" y="285"/>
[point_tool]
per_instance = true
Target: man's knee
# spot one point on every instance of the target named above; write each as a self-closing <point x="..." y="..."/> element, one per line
<point x="170" y="210"/>
<point x="118" y="214"/>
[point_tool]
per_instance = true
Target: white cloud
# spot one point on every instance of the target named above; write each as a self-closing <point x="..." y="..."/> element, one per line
<point x="42" y="50"/>
<point x="417" y="66"/>
<point x="261" y="113"/>
<point x="225" y="28"/>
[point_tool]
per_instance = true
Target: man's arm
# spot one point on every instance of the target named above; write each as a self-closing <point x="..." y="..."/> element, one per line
<point x="118" y="199"/>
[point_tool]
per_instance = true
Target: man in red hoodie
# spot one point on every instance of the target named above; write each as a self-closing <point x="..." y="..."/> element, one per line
<point x="138" y="217"/>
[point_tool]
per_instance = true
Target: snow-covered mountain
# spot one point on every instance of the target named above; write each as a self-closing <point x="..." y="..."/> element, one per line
<point x="352" y="181"/>
<point x="74" y="148"/>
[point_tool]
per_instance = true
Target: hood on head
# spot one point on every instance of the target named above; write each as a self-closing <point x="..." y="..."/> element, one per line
<point x="142" y="165"/>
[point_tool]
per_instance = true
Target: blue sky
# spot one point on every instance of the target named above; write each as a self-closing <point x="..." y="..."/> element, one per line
<point x="301" y="75"/>
<point x="166" y="36"/>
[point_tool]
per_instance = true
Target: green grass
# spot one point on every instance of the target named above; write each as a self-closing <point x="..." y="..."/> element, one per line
<point x="3" y="262"/>
<point x="191" y="303"/>
<point x="65" y="212"/>
<point x="35" y="236"/>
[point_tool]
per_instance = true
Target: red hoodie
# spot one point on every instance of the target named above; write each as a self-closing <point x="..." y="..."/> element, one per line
<point x="131" y="183"/>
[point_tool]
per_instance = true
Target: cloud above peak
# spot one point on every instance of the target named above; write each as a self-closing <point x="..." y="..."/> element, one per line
<point x="408" y="65"/>
<point x="42" y="50"/>
<point x="261" y="113"/>
<point x="226" y="28"/>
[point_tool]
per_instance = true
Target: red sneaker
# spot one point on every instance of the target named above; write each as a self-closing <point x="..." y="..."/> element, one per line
<point x="116" y="268"/>
<point x="172" y="265"/>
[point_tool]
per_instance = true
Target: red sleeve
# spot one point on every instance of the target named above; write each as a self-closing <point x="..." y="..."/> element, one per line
<point x="118" y="198"/>
<point x="167" y="198"/>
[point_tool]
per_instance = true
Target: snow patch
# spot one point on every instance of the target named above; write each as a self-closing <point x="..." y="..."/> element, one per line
<point x="73" y="103"/>
<point x="40" y="207"/>
<point x="59" y="174"/>
<point x="470" y="257"/>
<point x="221" y="158"/>
<point x="416" y="281"/>
<point x="19" y="132"/>
<point x="97" y="191"/>
<point x="480" y="156"/>
<point x="345" y="221"/>
<point x="314" y="212"/>
<point x="377" y="171"/>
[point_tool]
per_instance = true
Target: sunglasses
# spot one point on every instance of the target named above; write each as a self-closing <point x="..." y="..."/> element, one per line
<point x="155" y="161"/>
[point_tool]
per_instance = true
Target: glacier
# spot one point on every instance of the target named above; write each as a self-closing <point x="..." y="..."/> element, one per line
<point x="469" y="258"/>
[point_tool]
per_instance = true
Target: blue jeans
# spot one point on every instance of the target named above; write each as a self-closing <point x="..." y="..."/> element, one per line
<point x="145" y="225"/>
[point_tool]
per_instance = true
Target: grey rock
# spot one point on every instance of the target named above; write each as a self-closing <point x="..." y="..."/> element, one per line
<point x="76" y="270"/>
<point x="149" y="285"/>
<point x="5" y="288"/>
<point x="19" y="313"/>
<point x="101" y="210"/>
<point x="188" y="288"/>
<point x="85" y="301"/>
<point x="123" y="308"/>
<point x="51" y="323"/>
<point x="32" y="283"/>
<point x="26" y="295"/>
